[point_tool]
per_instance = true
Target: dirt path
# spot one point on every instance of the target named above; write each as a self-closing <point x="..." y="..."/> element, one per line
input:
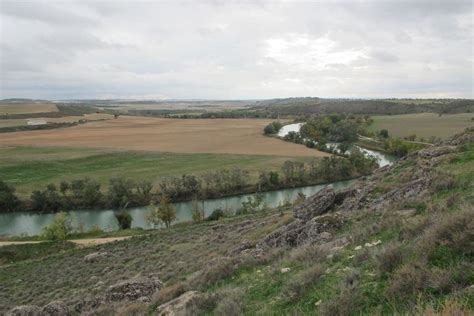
<point x="80" y="242"/>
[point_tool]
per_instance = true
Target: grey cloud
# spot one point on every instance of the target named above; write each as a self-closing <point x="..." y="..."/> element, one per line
<point x="220" y="49"/>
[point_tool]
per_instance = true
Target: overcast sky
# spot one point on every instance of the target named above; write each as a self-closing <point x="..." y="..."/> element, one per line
<point x="236" y="50"/>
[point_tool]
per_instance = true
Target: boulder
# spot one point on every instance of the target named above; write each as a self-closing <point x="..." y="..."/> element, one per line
<point x="179" y="305"/>
<point x="95" y="256"/>
<point x="25" y="310"/>
<point x="139" y="290"/>
<point x="316" y="204"/>
<point x="56" y="308"/>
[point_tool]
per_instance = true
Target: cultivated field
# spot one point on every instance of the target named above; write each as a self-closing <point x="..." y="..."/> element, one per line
<point x="423" y="125"/>
<point x="26" y="108"/>
<point x="32" y="168"/>
<point x="216" y="136"/>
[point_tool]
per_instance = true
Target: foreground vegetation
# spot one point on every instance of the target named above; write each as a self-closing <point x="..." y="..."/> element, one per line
<point x="374" y="253"/>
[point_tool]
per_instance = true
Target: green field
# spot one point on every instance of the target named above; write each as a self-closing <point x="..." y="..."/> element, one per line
<point x="31" y="168"/>
<point x="423" y="125"/>
<point x="12" y="123"/>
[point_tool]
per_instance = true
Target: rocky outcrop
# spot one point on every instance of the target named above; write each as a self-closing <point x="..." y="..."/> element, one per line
<point x="404" y="192"/>
<point x="297" y="233"/>
<point x="56" y="308"/>
<point x="179" y="305"/>
<point x="25" y="310"/>
<point x="316" y="204"/>
<point x="140" y="290"/>
<point x="432" y="152"/>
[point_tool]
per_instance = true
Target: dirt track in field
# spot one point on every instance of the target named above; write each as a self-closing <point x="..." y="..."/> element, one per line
<point x="218" y="136"/>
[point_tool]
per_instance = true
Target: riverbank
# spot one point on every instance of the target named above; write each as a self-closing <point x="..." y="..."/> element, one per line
<point x="16" y="224"/>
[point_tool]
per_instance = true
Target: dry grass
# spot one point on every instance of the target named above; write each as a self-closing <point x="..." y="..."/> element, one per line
<point x="219" y="136"/>
<point x="25" y="108"/>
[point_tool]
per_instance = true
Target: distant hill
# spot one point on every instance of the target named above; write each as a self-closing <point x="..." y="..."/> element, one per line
<point x="311" y="105"/>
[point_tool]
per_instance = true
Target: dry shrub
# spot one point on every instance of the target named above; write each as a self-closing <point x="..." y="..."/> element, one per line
<point x="450" y="307"/>
<point x="453" y="231"/>
<point x="414" y="227"/>
<point x="303" y="281"/>
<point x="389" y="258"/>
<point x="230" y="303"/>
<point x="309" y="253"/>
<point x="443" y="182"/>
<point x="362" y="255"/>
<point x="216" y="270"/>
<point x="168" y="293"/>
<point x="346" y="303"/>
<point x="407" y="282"/>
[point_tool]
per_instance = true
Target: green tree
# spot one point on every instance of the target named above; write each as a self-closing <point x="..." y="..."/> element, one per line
<point x="59" y="229"/>
<point x="8" y="200"/>
<point x="124" y="219"/>
<point x="164" y="213"/>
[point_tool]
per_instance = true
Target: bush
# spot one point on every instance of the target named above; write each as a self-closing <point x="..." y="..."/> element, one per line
<point x="407" y="283"/>
<point x="216" y="215"/>
<point x="59" y="229"/>
<point x="302" y="282"/>
<point x="272" y="128"/>
<point x="124" y="219"/>
<point x="389" y="258"/>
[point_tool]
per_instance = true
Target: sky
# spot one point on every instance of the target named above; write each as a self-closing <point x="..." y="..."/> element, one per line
<point x="236" y="49"/>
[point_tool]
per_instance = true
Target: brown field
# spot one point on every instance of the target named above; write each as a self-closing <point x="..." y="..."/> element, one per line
<point x="26" y="108"/>
<point x="216" y="136"/>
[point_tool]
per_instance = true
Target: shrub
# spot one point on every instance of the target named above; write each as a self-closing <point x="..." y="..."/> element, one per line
<point x="124" y="219"/>
<point x="272" y="128"/>
<point x="348" y="302"/>
<point x="389" y="258"/>
<point x="230" y="303"/>
<point x="302" y="282"/>
<point x="59" y="229"/>
<point x="216" y="215"/>
<point x="407" y="283"/>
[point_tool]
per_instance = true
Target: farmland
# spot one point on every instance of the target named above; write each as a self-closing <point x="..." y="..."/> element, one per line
<point x="423" y="124"/>
<point x="7" y="108"/>
<point x="218" y="136"/>
<point x="30" y="168"/>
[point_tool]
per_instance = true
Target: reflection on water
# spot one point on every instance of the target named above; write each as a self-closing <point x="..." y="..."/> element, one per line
<point x="32" y="224"/>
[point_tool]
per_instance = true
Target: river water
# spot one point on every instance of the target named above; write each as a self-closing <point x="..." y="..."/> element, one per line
<point x="382" y="159"/>
<point x="15" y="224"/>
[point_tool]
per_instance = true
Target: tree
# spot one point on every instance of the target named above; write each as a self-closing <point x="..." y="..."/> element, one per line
<point x="120" y="192"/>
<point x="124" y="219"/>
<point x="59" y="229"/>
<point x="8" y="200"/>
<point x="163" y="213"/>
<point x="197" y="211"/>
<point x="383" y="133"/>
<point x="272" y="128"/>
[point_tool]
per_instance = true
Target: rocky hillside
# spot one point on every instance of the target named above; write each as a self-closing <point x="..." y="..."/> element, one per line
<point x="399" y="241"/>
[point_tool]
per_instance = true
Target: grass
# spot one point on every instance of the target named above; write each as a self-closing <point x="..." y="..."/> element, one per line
<point x="423" y="125"/>
<point x="12" y="123"/>
<point x="31" y="168"/>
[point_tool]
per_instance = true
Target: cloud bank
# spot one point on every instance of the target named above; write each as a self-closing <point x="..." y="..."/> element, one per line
<point x="236" y="50"/>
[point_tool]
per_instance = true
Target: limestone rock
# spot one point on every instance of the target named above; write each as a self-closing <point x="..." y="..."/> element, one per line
<point x="25" y="310"/>
<point x="179" y="305"/>
<point x="56" y="308"/>
<point x="316" y="204"/>
<point x="95" y="256"/>
<point x="432" y="152"/>
<point x="140" y="290"/>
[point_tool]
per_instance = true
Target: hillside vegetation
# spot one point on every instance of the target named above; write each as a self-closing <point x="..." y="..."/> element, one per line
<point x="399" y="241"/>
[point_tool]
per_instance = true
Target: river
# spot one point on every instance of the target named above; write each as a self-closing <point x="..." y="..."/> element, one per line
<point x="382" y="159"/>
<point x="22" y="223"/>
